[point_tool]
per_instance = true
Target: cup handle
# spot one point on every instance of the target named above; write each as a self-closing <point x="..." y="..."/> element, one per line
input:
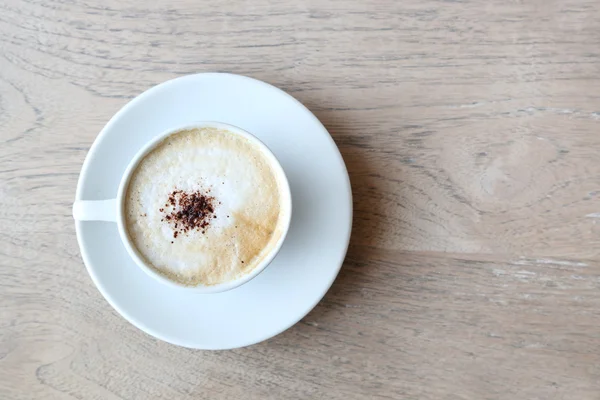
<point x="95" y="210"/>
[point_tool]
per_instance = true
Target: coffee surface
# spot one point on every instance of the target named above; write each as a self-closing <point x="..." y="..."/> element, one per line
<point x="204" y="207"/>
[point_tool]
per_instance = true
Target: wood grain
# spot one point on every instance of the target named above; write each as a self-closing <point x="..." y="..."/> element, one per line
<point x="470" y="131"/>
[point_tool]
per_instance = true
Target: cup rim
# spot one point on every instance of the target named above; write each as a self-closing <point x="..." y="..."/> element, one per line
<point x="145" y="150"/>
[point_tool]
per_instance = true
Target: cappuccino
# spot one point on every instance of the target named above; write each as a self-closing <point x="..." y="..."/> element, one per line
<point x="205" y="206"/>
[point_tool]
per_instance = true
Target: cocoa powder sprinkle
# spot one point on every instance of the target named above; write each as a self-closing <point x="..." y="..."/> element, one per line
<point x="189" y="211"/>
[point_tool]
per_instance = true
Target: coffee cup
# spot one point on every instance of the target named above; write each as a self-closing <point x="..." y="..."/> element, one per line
<point x="194" y="228"/>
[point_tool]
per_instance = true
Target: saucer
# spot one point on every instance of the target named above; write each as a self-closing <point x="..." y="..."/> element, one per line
<point x="313" y="251"/>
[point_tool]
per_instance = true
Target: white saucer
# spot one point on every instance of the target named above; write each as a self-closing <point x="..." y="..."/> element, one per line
<point x="313" y="251"/>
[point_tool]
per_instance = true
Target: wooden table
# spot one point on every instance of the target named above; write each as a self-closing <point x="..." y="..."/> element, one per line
<point x="471" y="131"/>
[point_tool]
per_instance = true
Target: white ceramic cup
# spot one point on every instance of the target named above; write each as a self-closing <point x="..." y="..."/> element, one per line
<point x="112" y="209"/>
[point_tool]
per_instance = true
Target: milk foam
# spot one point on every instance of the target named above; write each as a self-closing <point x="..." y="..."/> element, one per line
<point x="247" y="199"/>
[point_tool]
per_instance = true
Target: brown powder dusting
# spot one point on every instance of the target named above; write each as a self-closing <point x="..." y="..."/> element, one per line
<point x="189" y="211"/>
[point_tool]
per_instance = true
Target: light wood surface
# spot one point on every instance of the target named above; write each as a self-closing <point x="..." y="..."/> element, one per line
<point x="471" y="131"/>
